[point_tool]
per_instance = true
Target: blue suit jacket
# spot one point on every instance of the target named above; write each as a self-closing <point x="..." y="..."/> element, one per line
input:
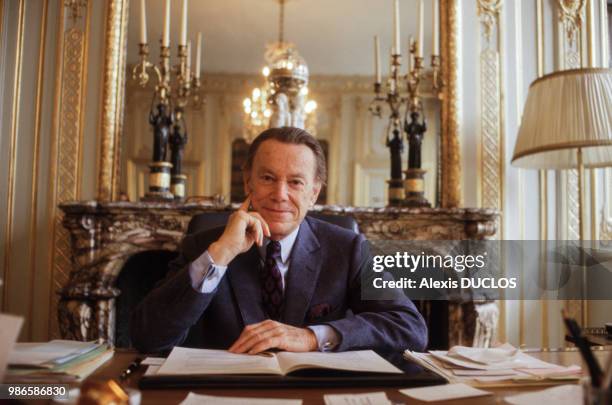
<point x="323" y="286"/>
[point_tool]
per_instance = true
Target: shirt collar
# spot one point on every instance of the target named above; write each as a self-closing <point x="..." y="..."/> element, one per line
<point x="286" y="245"/>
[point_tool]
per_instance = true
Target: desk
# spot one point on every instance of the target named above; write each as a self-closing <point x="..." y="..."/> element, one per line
<point x="122" y="359"/>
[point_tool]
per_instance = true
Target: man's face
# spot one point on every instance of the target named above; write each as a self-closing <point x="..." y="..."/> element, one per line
<point x="282" y="185"/>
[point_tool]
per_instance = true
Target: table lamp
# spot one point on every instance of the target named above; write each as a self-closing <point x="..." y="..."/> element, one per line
<point x="567" y="124"/>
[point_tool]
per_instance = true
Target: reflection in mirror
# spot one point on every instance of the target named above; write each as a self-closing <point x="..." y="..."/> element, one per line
<point x="336" y="41"/>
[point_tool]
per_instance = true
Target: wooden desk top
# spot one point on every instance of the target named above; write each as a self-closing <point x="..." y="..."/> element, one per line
<point x="122" y="359"/>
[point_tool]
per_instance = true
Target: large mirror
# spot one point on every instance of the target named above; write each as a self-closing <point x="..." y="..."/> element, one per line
<point x="336" y="41"/>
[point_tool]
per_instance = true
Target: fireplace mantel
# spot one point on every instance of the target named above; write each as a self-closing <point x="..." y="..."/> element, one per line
<point x="104" y="235"/>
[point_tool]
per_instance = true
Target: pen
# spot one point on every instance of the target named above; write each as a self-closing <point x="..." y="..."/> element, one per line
<point x="131" y="368"/>
<point x="583" y="346"/>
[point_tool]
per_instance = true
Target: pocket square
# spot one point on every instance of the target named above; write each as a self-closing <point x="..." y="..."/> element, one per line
<point x="318" y="311"/>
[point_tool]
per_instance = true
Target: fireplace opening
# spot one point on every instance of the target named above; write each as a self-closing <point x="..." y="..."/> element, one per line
<point x="138" y="276"/>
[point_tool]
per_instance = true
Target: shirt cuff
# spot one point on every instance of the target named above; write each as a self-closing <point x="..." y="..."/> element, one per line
<point x="327" y="337"/>
<point x="205" y="274"/>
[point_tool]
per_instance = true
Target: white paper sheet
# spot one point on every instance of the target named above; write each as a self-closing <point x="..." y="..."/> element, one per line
<point x="371" y="398"/>
<point x="505" y="352"/>
<point x="444" y="392"/>
<point x="152" y="370"/>
<point x="153" y="361"/>
<point x="195" y="399"/>
<point x="520" y="360"/>
<point x="10" y="326"/>
<point x="561" y="395"/>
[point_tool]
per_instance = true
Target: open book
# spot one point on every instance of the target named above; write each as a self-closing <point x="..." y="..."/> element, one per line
<point x="185" y="361"/>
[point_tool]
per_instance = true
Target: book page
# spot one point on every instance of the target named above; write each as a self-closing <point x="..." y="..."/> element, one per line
<point x="362" y="361"/>
<point x="185" y="361"/>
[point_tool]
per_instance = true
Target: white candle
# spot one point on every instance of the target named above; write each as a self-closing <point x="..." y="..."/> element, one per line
<point x="436" y="27"/>
<point x="184" y="24"/>
<point x="198" y="55"/>
<point x="421" y="27"/>
<point x="166" y="31"/>
<point x="410" y="55"/>
<point x="188" y="58"/>
<point x="143" y="22"/>
<point x="396" y="29"/>
<point x="377" y="58"/>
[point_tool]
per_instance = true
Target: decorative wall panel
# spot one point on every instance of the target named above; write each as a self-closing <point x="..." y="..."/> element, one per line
<point x="67" y="143"/>
<point x="491" y="105"/>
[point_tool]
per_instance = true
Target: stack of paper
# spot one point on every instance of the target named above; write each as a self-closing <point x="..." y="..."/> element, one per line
<point x="55" y="361"/>
<point x="499" y="366"/>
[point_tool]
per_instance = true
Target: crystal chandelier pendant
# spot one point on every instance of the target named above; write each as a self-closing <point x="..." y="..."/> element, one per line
<point x="283" y="100"/>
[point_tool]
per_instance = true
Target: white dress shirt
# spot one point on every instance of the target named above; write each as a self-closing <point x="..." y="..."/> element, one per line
<point x="206" y="276"/>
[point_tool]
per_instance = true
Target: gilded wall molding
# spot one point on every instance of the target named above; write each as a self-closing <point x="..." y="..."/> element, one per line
<point x="75" y="7"/>
<point x="570" y="14"/>
<point x="12" y="147"/>
<point x="66" y="145"/>
<point x="35" y="161"/>
<point x="491" y="105"/>
<point x="571" y="18"/>
<point x="112" y="99"/>
<point x="488" y="10"/>
<point x="449" y="144"/>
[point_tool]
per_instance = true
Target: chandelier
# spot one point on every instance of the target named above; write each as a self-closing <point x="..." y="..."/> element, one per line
<point x="283" y="99"/>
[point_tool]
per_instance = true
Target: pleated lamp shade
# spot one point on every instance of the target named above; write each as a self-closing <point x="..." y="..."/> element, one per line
<point x="565" y="111"/>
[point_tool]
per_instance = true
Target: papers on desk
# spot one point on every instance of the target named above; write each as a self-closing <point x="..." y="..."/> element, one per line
<point x="49" y="354"/>
<point x="562" y="395"/>
<point x="9" y="330"/>
<point x="444" y="392"/>
<point x="371" y="398"/>
<point x="55" y="361"/>
<point x="185" y="361"/>
<point x="196" y="399"/>
<point x="500" y="366"/>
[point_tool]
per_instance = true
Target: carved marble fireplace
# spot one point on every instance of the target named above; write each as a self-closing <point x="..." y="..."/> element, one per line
<point x="104" y="236"/>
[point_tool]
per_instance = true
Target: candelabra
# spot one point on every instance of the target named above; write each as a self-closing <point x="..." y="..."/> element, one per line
<point x="166" y="181"/>
<point x="410" y="190"/>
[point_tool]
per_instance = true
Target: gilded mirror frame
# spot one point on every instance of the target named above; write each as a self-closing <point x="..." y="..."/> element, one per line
<point x="113" y="102"/>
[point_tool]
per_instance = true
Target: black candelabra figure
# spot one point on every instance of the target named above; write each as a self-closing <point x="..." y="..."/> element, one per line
<point x="415" y="182"/>
<point x="178" y="140"/>
<point x="396" y="147"/>
<point x="161" y="120"/>
<point x="415" y="132"/>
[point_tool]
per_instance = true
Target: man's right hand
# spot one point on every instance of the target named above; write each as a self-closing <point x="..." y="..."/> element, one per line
<point x="242" y="230"/>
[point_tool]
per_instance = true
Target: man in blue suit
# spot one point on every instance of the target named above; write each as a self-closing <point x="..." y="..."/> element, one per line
<point x="274" y="278"/>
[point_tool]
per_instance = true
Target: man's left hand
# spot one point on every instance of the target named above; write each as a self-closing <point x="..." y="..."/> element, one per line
<point x="259" y="337"/>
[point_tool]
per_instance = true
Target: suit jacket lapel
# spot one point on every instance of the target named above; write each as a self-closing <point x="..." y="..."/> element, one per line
<point x="302" y="276"/>
<point x="244" y="275"/>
